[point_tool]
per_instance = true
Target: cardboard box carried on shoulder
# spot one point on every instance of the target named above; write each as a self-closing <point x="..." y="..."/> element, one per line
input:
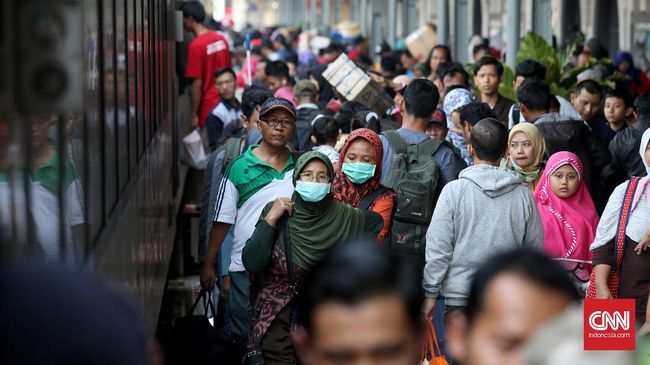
<point x="355" y="85"/>
<point x="421" y="42"/>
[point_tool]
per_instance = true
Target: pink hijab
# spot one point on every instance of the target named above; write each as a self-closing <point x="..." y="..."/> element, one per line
<point x="569" y="223"/>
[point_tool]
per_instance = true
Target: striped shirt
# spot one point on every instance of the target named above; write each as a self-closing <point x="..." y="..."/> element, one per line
<point x="248" y="185"/>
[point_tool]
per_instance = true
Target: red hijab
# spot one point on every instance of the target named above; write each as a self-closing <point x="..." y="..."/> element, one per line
<point x="344" y="190"/>
<point x="569" y="223"/>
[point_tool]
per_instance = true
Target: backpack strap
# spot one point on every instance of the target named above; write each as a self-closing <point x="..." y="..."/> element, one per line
<point x="624" y="217"/>
<point x="396" y="141"/>
<point x="428" y="147"/>
<point x="233" y="149"/>
<point x="287" y="252"/>
<point x="364" y="204"/>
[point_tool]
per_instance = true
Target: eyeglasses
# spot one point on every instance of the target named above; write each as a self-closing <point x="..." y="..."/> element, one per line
<point x="286" y="123"/>
<point x="310" y="177"/>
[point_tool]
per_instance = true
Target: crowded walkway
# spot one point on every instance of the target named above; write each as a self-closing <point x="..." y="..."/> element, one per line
<point x="308" y="199"/>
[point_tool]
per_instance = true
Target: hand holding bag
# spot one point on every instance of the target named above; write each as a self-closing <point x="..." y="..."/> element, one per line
<point x="432" y="347"/>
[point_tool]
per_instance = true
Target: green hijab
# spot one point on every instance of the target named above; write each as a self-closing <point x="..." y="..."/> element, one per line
<point x="315" y="227"/>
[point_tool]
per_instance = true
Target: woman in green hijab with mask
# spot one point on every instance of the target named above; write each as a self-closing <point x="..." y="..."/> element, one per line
<point x="313" y="222"/>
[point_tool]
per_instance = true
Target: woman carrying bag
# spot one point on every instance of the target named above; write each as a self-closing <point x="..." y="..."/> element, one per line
<point x="620" y="256"/>
<point x="291" y="236"/>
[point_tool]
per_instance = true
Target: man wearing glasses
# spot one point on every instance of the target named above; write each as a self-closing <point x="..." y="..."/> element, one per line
<point x="261" y="174"/>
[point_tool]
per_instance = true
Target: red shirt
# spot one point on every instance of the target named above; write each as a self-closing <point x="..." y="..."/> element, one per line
<point x="207" y="54"/>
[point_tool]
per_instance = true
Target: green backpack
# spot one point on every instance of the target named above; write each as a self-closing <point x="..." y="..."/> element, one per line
<point x="414" y="177"/>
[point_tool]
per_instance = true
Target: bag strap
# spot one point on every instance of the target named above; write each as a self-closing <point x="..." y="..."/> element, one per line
<point x="233" y="149"/>
<point x="364" y="204"/>
<point x="202" y="295"/>
<point x="395" y="141"/>
<point x="287" y="252"/>
<point x="623" y="219"/>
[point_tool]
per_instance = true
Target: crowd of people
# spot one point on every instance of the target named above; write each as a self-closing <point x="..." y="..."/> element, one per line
<point x="451" y="175"/>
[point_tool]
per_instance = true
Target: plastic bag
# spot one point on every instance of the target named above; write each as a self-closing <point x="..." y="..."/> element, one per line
<point x="195" y="153"/>
<point x="431" y="347"/>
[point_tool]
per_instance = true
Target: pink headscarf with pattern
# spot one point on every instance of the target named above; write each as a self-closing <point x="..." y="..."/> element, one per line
<point x="569" y="223"/>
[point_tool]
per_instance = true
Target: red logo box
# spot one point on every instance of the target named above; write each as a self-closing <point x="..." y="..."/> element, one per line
<point x="609" y="324"/>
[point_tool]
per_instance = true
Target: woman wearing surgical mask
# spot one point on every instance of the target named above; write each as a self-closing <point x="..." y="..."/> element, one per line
<point x="357" y="183"/>
<point x="291" y="236"/>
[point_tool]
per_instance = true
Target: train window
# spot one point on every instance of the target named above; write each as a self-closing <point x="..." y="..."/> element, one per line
<point x="146" y="71"/>
<point x="110" y="110"/>
<point x="132" y="86"/>
<point x="140" y="77"/>
<point x="92" y="135"/>
<point x="122" y="135"/>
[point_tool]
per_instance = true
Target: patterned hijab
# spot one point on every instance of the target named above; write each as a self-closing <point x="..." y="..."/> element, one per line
<point x="346" y="191"/>
<point x="454" y="100"/>
<point x="532" y="173"/>
<point x="569" y="223"/>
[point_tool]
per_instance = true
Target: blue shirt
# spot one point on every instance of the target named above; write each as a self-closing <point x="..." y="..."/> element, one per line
<point x="448" y="163"/>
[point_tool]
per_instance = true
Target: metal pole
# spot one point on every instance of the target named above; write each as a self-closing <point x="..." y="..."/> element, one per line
<point x="337" y="11"/>
<point x="325" y="15"/>
<point x="363" y="18"/>
<point x="542" y="19"/>
<point x="392" y="22"/>
<point x="442" y="17"/>
<point x="377" y="9"/>
<point x="312" y="14"/>
<point x="461" y="30"/>
<point x="513" y="11"/>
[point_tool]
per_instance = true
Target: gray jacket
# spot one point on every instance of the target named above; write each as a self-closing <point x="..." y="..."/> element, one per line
<point x="486" y="211"/>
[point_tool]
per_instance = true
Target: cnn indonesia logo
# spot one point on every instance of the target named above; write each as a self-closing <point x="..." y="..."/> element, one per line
<point x="609" y="324"/>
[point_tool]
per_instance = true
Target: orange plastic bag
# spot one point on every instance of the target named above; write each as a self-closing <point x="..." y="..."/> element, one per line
<point x="431" y="347"/>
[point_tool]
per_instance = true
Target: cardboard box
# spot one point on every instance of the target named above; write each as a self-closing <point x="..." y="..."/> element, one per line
<point x="355" y="85"/>
<point x="421" y="42"/>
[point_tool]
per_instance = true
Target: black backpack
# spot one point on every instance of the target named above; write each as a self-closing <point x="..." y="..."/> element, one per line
<point x="414" y="176"/>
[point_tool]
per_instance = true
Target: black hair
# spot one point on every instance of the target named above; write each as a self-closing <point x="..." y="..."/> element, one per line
<point x="391" y="64"/>
<point x="366" y="119"/>
<point x="325" y="130"/>
<point x="535" y="95"/>
<point x="486" y="61"/>
<point x="620" y="94"/>
<point x="421" y="98"/>
<point x="438" y="46"/>
<point x="406" y="52"/>
<point x="642" y="105"/>
<point x="455" y="69"/>
<point x="591" y="86"/>
<point x="489" y="139"/>
<point x="531" y="69"/>
<point x="473" y="112"/>
<point x="354" y="272"/>
<point x="278" y="69"/>
<point x="454" y="87"/>
<point x="252" y="98"/>
<point x="193" y="9"/>
<point x="225" y="70"/>
<point x="531" y="265"/>
<point x="345" y="114"/>
<point x="480" y="47"/>
<point x="598" y="50"/>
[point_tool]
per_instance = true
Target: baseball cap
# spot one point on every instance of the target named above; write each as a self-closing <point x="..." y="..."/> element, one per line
<point x="305" y="88"/>
<point x="277" y="103"/>
<point x="439" y="118"/>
